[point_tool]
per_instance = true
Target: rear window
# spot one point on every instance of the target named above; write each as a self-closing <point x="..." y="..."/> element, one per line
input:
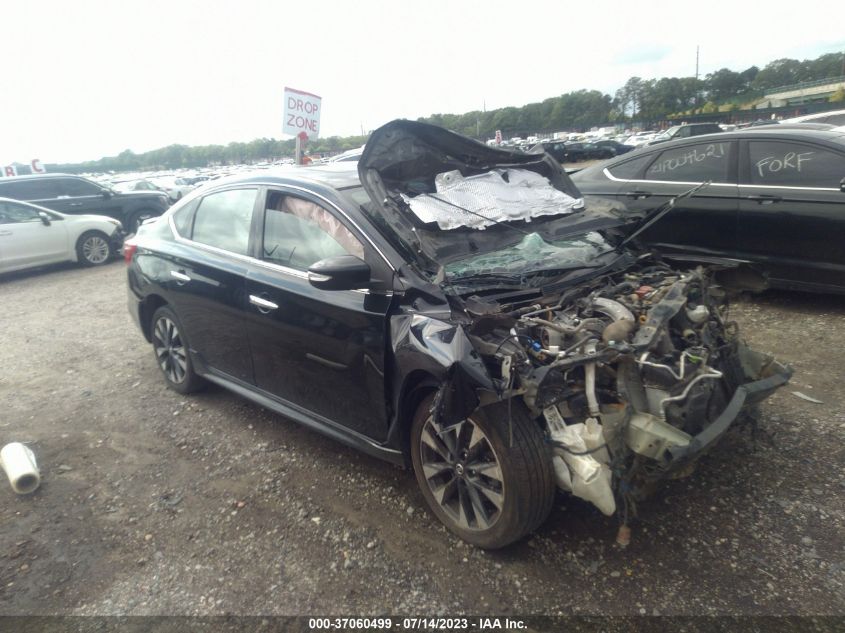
<point x="224" y="218"/>
<point x="35" y="189"/>
<point x="630" y="169"/>
<point x="692" y="163"/>
<point x="182" y="218"/>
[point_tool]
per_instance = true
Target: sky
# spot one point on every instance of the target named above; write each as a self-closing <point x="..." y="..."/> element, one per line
<point x="86" y="79"/>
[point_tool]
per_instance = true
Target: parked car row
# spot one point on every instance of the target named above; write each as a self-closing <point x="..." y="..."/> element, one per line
<point x="574" y="152"/>
<point x="74" y="195"/>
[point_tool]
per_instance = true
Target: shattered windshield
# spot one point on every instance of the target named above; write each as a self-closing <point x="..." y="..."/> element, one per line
<point x="533" y="254"/>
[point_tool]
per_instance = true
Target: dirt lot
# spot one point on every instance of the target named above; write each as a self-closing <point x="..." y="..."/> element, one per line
<point x="154" y="503"/>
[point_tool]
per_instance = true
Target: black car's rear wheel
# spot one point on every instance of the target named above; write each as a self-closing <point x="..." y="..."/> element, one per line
<point x="487" y="491"/>
<point x="171" y="352"/>
<point x="137" y="219"/>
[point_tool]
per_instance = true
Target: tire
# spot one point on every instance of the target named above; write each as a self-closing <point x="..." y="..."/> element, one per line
<point x="93" y="249"/>
<point x="486" y="492"/>
<point x="171" y="352"/>
<point x="135" y="220"/>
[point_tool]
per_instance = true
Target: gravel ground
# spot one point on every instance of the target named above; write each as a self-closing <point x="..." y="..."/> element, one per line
<point x="155" y="503"/>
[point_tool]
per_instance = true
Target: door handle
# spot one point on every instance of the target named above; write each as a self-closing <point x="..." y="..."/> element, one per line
<point x="180" y="276"/>
<point x="764" y="199"/>
<point x="264" y="306"/>
<point x="75" y="204"/>
<point x="637" y="195"/>
<point x="5" y="232"/>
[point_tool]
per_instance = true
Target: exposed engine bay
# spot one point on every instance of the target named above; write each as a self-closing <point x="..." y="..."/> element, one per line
<point x="631" y="376"/>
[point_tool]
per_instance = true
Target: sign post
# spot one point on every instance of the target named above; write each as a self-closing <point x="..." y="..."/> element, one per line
<point x="301" y="117"/>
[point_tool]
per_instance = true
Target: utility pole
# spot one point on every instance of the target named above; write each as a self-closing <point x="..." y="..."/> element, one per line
<point x="696" y="62"/>
<point x="697" y="94"/>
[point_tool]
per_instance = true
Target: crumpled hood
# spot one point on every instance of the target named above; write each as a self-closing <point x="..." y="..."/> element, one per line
<point x="403" y="158"/>
<point x="401" y="154"/>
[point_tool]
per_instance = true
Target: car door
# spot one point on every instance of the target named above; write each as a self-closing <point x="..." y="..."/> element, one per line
<point x="38" y="190"/>
<point x="792" y="211"/>
<point x="77" y="195"/>
<point x="25" y="240"/>
<point x="322" y="351"/>
<point x="703" y="223"/>
<point x="205" y="279"/>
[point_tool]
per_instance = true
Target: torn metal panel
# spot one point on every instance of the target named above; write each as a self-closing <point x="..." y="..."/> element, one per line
<point x="443" y="350"/>
<point x="557" y="313"/>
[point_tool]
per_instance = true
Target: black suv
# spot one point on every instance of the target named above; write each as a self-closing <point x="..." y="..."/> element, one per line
<point x="77" y="195"/>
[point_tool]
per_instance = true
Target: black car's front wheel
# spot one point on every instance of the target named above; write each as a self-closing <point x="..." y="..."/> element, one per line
<point x="171" y="352"/>
<point x="487" y="490"/>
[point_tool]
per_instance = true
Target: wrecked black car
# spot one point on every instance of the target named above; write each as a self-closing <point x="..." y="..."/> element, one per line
<point x="455" y="308"/>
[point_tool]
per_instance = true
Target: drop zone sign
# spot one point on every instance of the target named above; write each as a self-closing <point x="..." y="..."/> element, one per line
<point x="302" y="113"/>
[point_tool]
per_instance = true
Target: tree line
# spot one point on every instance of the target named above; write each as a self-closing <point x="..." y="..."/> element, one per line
<point x="181" y="156"/>
<point x="640" y="101"/>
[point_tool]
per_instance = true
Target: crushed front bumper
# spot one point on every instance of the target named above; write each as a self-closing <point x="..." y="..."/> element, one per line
<point x="773" y="375"/>
<point x="116" y="240"/>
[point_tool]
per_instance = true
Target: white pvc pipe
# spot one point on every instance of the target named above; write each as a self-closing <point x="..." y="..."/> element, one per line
<point x="20" y="466"/>
<point x="590" y="389"/>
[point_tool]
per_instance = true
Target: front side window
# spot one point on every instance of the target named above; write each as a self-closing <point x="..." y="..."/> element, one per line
<point x="298" y="233"/>
<point x="779" y="163"/>
<point x="75" y="187"/>
<point x="223" y="220"/>
<point x="692" y="163"/>
<point x="11" y="213"/>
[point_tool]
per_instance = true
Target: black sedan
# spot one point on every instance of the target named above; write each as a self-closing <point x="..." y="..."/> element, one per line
<point x="776" y="200"/>
<point x="615" y="147"/>
<point x="454" y="308"/>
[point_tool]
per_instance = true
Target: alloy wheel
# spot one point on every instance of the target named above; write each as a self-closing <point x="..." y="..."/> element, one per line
<point x="169" y="350"/>
<point x="463" y="473"/>
<point x="95" y="249"/>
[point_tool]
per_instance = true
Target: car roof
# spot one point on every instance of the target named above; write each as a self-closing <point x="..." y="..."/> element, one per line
<point x="805" y="131"/>
<point x="815" y="115"/>
<point x="34" y="176"/>
<point x="335" y="175"/>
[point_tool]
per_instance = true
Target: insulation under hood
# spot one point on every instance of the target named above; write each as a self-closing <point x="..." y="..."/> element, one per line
<point x="407" y="162"/>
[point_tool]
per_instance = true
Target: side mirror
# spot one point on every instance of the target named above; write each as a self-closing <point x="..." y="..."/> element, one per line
<point x="45" y="219"/>
<point x="107" y="193"/>
<point x="345" y="272"/>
